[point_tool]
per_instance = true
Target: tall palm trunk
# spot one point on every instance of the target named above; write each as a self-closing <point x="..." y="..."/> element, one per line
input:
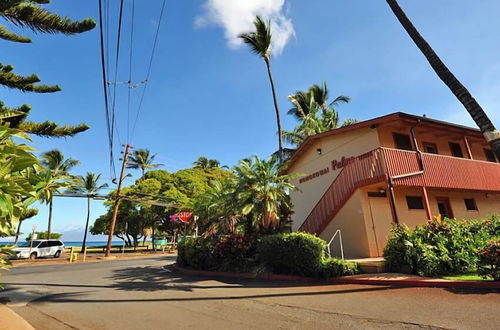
<point x="456" y="87"/>
<point x="18" y="232"/>
<point x="86" y="226"/>
<point x="49" y="227"/>
<point x="278" y="117"/>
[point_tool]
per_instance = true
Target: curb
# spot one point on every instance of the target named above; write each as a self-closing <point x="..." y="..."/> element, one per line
<point x="426" y="283"/>
<point x="11" y="320"/>
<point x="429" y="283"/>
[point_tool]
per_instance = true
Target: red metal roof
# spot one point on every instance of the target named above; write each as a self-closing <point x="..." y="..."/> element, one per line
<point x="377" y="121"/>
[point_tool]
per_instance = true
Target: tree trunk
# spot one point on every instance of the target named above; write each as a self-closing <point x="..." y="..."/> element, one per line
<point x="456" y="87"/>
<point x="18" y="232"/>
<point x="278" y="117"/>
<point x="135" y="242"/>
<point x="49" y="227"/>
<point x="86" y="226"/>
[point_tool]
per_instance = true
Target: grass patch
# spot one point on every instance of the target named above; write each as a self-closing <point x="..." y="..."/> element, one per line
<point x="467" y="277"/>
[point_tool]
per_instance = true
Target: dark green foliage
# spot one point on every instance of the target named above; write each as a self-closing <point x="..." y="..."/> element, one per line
<point x="196" y="253"/>
<point x="332" y="267"/>
<point x="25" y="13"/>
<point x="489" y="260"/>
<point x="235" y="252"/>
<point x="44" y="235"/>
<point x="226" y="253"/>
<point x="299" y="254"/>
<point x="29" y="14"/>
<point x="294" y="253"/>
<point x="440" y="247"/>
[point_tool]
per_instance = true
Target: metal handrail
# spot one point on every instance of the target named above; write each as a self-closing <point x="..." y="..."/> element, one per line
<point x="341" y="244"/>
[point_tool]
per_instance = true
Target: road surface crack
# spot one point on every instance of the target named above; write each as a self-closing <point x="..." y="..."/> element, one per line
<point x="52" y="317"/>
<point x="353" y="316"/>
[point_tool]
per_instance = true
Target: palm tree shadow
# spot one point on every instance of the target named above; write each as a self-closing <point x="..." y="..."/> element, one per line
<point x="156" y="279"/>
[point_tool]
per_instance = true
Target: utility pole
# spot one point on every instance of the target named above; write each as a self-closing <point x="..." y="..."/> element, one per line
<point x="117" y="200"/>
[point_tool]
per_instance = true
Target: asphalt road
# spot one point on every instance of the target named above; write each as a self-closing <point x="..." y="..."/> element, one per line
<point x="142" y="294"/>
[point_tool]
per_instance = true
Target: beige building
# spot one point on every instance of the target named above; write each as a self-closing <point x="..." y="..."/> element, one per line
<point x="398" y="168"/>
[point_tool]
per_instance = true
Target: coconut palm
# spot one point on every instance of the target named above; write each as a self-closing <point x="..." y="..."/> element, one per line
<point x="315" y="113"/>
<point x="89" y="186"/>
<point x="204" y="163"/>
<point x="26" y="214"/>
<point x="262" y="190"/>
<point x="463" y="95"/>
<point x="143" y="159"/>
<point x="55" y="178"/>
<point x="259" y="42"/>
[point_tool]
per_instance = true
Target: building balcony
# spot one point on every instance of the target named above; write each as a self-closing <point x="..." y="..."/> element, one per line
<point x="401" y="168"/>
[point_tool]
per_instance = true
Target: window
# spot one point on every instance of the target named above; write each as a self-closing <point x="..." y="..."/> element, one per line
<point x="55" y="243"/>
<point x="470" y="204"/>
<point x="456" y="150"/>
<point x="415" y="202"/>
<point x="43" y="245"/>
<point x="430" y="148"/>
<point x="490" y="156"/>
<point x="402" y="141"/>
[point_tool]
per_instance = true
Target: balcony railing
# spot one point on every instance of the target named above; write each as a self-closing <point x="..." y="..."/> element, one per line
<point x="378" y="165"/>
<point x="363" y="170"/>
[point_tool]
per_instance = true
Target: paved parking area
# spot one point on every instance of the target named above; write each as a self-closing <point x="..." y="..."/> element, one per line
<point x="143" y="294"/>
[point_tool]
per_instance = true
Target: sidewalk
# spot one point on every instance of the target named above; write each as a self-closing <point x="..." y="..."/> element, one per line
<point x="388" y="279"/>
<point x="90" y="258"/>
<point x="11" y="321"/>
<point x="413" y="280"/>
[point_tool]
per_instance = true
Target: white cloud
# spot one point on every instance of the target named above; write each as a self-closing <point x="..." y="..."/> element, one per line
<point x="236" y="16"/>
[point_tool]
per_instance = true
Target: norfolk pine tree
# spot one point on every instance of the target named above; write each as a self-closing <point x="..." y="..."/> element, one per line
<point x="29" y="14"/>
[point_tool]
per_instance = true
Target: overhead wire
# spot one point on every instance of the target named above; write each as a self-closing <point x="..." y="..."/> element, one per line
<point x="146" y="81"/>
<point x="105" y="87"/>
<point x="117" y="61"/>
<point x="130" y="68"/>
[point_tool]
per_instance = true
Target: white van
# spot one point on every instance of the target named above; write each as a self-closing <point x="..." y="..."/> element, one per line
<point x="40" y="248"/>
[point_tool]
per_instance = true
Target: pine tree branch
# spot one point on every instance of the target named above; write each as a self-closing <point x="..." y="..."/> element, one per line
<point x="41" y="20"/>
<point x="51" y="129"/>
<point x="10" y="36"/>
<point x="25" y="84"/>
<point x="13" y="121"/>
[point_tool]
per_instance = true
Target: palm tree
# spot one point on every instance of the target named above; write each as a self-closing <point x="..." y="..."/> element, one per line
<point x="204" y="163"/>
<point x="462" y="94"/>
<point x="26" y="214"/>
<point x="55" y="178"/>
<point x="89" y="186"/>
<point x="306" y="109"/>
<point x="262" y="190"/>
<point x="259" y="42"/>
<point x="143" y="159"/>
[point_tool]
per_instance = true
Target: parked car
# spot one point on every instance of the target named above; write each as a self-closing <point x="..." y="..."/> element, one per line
<point x="40" y="248"/>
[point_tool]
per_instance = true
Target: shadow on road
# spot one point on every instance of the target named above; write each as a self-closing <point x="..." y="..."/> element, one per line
<point x="78" y="297"/>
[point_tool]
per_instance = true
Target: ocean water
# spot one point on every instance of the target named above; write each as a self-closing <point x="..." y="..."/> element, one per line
<point x="79" y="243"/>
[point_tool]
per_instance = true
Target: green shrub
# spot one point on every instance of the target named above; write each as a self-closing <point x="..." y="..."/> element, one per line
<point x="489" y="260"/>
<point x="235" y="252"/>
<point x="196" y="253"/>
<point x="332" y="267"/>
<point x="294" y="254"/>
<point x="439" y="247"/>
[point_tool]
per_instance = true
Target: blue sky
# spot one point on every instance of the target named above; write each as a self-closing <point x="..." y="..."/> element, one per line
<point x="208" y="96"/>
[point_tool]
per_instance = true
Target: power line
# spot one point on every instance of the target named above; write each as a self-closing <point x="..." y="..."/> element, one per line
<point x="104" y="77"/>
<point x="117" y="57"/>
<point x="130" y="68"/>
<point x="149" y="67"/>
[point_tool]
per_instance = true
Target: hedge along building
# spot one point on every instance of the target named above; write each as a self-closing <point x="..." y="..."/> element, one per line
<point x="398" y="168"/>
